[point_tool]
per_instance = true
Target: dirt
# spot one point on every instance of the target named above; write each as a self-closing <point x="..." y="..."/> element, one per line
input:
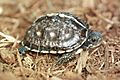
<point x="100" y="63"/>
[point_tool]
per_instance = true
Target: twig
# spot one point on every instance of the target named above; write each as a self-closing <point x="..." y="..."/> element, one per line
<point x="20" y="64"/>
<point x="9" y="38"/>
<point x="81" y="61"/>
<point x="15" y="43"/>
<point x="101" y="66"/>
<point x="112" y="56"/>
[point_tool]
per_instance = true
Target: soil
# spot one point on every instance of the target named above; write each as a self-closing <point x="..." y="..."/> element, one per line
<point x="100" y="63"/>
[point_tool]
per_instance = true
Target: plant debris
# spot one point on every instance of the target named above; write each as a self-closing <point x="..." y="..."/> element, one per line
<point x="101" y="63"/>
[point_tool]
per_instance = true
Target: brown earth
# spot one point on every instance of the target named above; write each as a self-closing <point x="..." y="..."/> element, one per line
<point x="101" y="63"/>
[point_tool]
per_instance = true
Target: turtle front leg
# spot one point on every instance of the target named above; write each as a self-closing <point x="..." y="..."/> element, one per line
<point x="66" y="57"/>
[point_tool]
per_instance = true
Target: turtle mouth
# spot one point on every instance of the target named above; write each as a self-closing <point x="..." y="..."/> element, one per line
<point x="97" y="45"/>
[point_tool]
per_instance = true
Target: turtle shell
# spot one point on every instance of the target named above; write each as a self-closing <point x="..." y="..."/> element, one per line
<point x="56" y="33"/>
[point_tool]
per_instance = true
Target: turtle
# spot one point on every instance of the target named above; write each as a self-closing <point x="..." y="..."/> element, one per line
<point x="59" y="33"/>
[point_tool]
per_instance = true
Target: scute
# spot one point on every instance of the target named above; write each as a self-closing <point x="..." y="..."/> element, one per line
<point x="56" y="32"/>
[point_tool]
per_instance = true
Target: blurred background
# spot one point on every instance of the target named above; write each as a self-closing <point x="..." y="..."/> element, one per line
<point x="17" y="15"/>
<point x="21" y="13"/>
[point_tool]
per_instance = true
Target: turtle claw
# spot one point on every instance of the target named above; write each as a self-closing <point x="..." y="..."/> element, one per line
<point x="60" y="61"/>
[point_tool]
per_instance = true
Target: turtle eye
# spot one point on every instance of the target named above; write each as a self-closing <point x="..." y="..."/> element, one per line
<point x="93" y="40"/>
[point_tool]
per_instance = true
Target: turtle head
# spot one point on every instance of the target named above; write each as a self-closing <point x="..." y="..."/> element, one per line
<point x="94" y="39"/>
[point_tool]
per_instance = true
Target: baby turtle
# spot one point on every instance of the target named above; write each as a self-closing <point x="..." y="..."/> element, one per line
<point x="59" y="33"/>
